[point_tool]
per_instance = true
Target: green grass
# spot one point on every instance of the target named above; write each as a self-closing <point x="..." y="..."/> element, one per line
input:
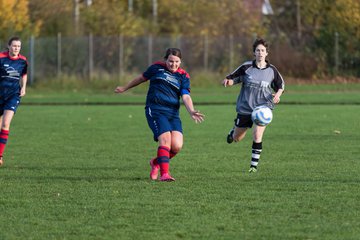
<point x="81" y="172"/>
<point x="294" y="94"/>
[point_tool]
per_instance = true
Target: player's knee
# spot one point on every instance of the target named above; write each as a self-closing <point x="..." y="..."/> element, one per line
<point x="176" y="147"/>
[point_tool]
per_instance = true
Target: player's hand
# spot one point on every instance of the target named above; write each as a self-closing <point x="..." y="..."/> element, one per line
<point x="227" y="82"/>
<point x="276" y="98"/>
<point x="120" y="89"/>
<point x="197" y="116"/>
<point x="22" y="92"/>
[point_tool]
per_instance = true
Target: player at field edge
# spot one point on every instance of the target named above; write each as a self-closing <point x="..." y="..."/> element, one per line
<point x="13" y="73"/>
<point x="262" y="84"/>
<point x="168" y="82"/>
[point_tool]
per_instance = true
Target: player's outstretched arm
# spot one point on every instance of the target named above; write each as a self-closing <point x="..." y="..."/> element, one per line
<point x="227" y="82"/>
<point x="194" y="114"/>
<point x="136" y="81"/>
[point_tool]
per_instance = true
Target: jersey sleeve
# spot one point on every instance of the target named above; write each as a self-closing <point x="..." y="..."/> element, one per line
<point x="24" y="71"/>
<point x="238" y="74"/>
<point x="278" y="82"/>
<point x="150" y="71"/>
<point x="185" y="84"/>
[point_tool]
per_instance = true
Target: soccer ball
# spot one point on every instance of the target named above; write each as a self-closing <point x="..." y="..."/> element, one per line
<point x="262" y="115"/>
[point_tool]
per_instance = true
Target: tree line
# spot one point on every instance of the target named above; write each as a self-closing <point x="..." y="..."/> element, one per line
<point x="311" y="29"/>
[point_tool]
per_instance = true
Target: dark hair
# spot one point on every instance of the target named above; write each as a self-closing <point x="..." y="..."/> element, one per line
<point x="172" y="51"/>
<point x="260" y="41"/>
<point x="13" y="39"/>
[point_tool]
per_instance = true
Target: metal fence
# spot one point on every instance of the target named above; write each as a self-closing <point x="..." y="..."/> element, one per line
<point x="96" y="57"/>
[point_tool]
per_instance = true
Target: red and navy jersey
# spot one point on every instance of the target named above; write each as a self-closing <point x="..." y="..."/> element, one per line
<point x="166" y="87"/>
<point x="11" y="70"/>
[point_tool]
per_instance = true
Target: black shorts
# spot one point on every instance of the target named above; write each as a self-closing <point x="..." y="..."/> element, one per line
<point x="243" y="121"/>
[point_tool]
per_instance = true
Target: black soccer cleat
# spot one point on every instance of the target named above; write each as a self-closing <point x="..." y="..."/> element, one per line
<point x="229" y="137"/>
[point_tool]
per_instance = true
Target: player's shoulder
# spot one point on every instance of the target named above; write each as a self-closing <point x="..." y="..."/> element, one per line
<point x="4" y="54"/>
<point x="22" y="57"/>
<point x="183" y="72"/>
<point x="158" y="64"/>
<point x="246" y="65"/>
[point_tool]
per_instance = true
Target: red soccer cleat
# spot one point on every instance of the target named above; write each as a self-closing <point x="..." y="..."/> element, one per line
<point x="154" y="173"/>
<point x="167" y="178"/>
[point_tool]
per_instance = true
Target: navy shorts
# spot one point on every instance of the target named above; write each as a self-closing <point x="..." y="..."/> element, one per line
<point x="161" y="122"/>
<point x="243" y="121"/>
<point x="9" y="103"/>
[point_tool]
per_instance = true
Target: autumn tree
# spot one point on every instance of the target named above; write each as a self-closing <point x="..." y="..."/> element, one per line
<point x="325" y="31"/>
<point x="15" y="19"/>
<point x="111" y="18"/>
<point x="55" y="16"/>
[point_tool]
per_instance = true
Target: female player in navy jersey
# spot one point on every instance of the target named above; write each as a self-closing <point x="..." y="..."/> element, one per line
<point x="262" y="84"/>
<point x="168" y="82"/>
<point x="13" y="73"/>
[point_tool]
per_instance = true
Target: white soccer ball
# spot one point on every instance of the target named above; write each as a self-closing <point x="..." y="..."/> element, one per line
<point x="262" y="115"/>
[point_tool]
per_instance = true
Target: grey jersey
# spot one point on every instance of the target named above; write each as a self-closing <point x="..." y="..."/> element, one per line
<point x="258" y="85"/>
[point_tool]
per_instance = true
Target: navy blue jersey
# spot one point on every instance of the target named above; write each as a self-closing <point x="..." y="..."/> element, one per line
<point x="11" y="70"/>
<point x="166" y="87"/>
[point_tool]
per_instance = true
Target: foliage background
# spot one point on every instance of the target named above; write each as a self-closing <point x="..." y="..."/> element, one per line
<point x="312" y="39"/>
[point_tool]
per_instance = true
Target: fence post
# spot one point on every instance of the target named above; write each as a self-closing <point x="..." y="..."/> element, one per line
<point x="231" y="53"/>
<point x="59" y="54"/>
<point x="206" y="52"/>
<point x="121" y="56"/>
<point x="150" y="49"/>
<point x="178" y="41"/>
<point x="32" y="59"/>
<point x="91" y="55"/>
<point x="336" y="53"/>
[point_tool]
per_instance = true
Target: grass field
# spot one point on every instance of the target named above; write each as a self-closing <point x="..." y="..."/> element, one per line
<point x="81" y="172"/>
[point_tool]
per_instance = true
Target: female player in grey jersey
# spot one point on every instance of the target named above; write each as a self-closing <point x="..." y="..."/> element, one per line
<point x="262" y="84"/>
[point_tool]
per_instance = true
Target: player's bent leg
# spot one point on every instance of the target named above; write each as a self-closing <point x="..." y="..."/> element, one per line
<point x="239" y="134"/>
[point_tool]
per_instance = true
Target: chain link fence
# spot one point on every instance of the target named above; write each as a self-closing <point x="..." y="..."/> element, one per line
<point x="97" y="57"/>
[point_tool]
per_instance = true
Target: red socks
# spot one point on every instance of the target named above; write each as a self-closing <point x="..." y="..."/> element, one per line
<point x="4" y="135"/>
<point x="164" y="154"/>
<point x="163" y="159"/>
<point x="172" y="154"/>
